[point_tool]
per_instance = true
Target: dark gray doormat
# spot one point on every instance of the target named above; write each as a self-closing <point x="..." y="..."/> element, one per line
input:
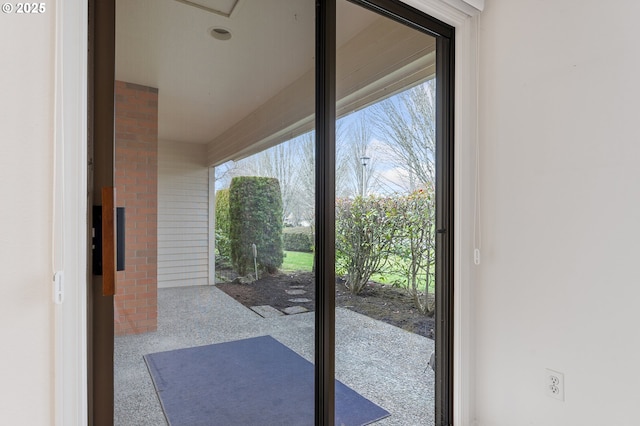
<point x="256" y="381"/>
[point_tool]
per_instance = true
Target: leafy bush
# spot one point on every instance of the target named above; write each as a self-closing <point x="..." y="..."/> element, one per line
<point x="415" y="245"/>
<point x="389" y="235"/>
<point x="223" y="243"/>
<point x="255" y="211"/>
<point x="298" y="239"/>
<point x="365" y="228"/>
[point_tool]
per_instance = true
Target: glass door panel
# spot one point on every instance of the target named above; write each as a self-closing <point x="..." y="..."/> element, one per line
<point x="385" y="213"/>
<point x="214" y="169"/>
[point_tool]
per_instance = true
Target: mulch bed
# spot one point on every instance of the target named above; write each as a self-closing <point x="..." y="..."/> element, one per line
<point x="381" y="302"/>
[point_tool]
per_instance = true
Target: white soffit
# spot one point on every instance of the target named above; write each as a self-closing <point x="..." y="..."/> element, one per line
<point x="383" y="59"/>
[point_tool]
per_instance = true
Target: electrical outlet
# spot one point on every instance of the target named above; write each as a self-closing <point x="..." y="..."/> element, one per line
<point x="554" y="384"/>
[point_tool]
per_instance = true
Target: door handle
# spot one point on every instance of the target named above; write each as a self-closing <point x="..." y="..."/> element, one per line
<point x="108" y="241"/>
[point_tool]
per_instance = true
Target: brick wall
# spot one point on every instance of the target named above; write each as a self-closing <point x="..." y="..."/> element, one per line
<point x="136" y="128"/>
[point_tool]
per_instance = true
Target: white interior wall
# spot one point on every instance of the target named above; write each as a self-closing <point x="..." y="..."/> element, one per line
<point x="183" y="215"/>
<point x="560" y="207"/>
<point x="26" y="164"/>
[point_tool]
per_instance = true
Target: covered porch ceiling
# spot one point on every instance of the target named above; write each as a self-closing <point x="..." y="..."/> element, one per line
<point x="256" y="89"/>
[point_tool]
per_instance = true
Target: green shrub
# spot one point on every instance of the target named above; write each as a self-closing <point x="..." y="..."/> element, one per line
<point x="372" y="231"/>
<point x="255" y="211"/>
<point x="365" y="229"/>
<point x="298" y="239"/>
<point x="223" y="244"/>
<point x="415" y="246"/>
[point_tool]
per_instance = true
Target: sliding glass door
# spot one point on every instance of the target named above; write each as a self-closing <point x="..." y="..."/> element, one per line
<point x="285" y="171"/>
<point x="393" y="227"/>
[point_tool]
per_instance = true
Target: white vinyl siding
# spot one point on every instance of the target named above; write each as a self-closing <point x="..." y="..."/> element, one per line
<point x="183" y="215"/>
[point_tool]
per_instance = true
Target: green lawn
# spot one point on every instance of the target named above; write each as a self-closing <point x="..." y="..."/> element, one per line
<point x="297" y="261"/>
<point x="395" y="278"/>
<point x="398" y="280"/>
<point x="388" y="278"/>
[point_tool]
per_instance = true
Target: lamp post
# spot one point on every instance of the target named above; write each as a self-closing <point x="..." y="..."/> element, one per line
<point x="365" y="161"/>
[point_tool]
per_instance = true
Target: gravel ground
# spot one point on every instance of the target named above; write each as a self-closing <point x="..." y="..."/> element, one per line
<point x="383" y="363"/>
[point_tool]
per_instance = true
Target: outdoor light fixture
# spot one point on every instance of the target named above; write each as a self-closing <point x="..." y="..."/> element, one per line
<point x="365" y="161"/>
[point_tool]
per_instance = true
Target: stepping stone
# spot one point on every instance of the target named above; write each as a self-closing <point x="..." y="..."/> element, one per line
<point x="296" y="286"/>
<point x="300" y="300"/>
<point x="266" y="311"/>
<point x="295" y="292"/>
<point x="291" y="310"/>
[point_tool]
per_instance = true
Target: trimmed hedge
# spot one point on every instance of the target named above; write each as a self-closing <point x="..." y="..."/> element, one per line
<point x="223" y="244"/>
<point x="298" y="239"/>
<point x="255" y="211"/>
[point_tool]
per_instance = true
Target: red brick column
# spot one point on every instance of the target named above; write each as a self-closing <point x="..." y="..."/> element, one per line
<point x="136" y="128"/>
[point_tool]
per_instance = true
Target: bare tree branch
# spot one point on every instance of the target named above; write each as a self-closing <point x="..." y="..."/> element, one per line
<point x="407" y="124"/>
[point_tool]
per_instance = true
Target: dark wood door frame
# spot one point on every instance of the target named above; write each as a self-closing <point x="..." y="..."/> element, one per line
<point x="101" y="175"/>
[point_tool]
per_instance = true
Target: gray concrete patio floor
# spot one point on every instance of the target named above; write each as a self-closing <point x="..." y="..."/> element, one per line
<point x="383" y="363"/>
